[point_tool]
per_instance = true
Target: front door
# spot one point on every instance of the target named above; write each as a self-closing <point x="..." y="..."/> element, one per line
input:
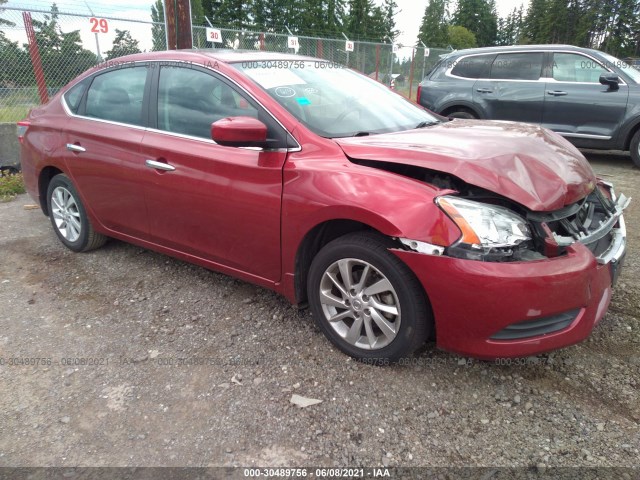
<point x="214" y="202"/>
<point x="576" y="104"/>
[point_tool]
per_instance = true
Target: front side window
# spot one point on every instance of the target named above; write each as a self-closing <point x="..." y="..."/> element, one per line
<point x="334" y="101"/>
<point x="190" y="100"/>
<point x="570" y="67"/>
<point x="117" y="95"/>
<point x="517" y="66"/>
<point x="472" y="67"/>
<point x="611" y="61"/>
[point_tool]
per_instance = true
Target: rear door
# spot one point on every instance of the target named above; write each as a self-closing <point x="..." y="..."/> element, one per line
<point x="513" y="90"/>
<point x="576" y="104"/>
<point x="103" y="157"/>
<point x="214" y="202"/>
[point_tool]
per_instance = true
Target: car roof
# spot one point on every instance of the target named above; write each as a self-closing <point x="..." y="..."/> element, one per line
<point x="222" y="55"/>
<point x="520" y="48"/>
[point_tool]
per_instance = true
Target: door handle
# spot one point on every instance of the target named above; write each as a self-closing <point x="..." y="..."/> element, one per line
<point x="75" y="148"/>
<point x="484" y="90"/>
<point x="556" y="93"/>
<point x="159" y="165"/>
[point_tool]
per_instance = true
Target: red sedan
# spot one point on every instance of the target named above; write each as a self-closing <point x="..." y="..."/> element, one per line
<point x="302" y="176"/>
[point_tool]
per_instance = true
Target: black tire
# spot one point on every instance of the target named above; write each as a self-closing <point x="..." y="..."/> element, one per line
<point x="412" y="324"/>
<point x="462" y="113"/>
<point x="71" y="223"/>
<point x="634" y="149"/>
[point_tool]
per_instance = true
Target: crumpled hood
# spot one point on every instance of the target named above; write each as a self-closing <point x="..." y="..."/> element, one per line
<point x="525" y="163"/>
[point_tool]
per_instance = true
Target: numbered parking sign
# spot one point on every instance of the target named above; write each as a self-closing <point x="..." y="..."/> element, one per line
<point x="99" y="25"/>
<point x="293" y="43"/>
<point x="426" y="52"/>
<point x="214" y="35"/>
<point x="396" y="48"/>
<point x="348" y="46"/>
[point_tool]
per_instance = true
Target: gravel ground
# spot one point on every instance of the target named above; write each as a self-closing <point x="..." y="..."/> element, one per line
<point x="198" y="369"/>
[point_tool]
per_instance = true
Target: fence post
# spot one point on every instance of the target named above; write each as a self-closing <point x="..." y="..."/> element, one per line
<point x="34" y="52"/>
<point x="377" y="60"/>
<point x="413" y="64"/>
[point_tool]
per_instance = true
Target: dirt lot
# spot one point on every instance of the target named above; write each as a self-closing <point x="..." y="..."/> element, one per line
<point x="193" y="368"/>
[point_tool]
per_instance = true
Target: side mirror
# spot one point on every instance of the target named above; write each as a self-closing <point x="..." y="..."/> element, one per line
<point x="610" y="79"/>
<point x="239" y="132"/>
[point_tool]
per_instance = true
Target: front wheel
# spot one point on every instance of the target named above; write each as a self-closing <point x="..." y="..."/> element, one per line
<point x="69" y="218"/>
<point x="366" y="301"/>
<point x="635" y="149"/>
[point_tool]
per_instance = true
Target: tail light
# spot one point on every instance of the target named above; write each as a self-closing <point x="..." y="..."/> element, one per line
<point x="22" y="129"/>
<point x="418" y="94"/>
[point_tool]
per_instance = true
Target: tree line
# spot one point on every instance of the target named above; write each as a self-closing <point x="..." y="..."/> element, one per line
<point x="612" y="26"/>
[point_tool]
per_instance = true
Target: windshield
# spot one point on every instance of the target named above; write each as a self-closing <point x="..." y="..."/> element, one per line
<point x="334" y="101"/>
<point x="612" y="61"/>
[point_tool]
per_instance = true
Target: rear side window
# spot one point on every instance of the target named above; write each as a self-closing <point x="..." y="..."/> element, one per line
<point x="517" y="66"/>
<point x="472" y="67"/>
<point x="570" y="67"/>
<point x="117" y="95"/>
<point x="73" y="97"/>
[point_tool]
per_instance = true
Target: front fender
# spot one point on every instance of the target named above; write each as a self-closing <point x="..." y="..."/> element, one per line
<point x="396" y="206"/>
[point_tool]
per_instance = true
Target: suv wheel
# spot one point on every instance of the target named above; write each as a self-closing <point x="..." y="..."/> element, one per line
<point x="366" y="301"/>
<point x="635" y="149"/>
<point x="462" y="113"/>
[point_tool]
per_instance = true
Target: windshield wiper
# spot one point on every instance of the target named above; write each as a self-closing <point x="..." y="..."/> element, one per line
<point x="361" y="134"/>
<point x="426" y="123"/>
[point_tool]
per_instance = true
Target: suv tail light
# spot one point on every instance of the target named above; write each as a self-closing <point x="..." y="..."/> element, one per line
<point x="418" y="94"/>
<point x="22" y="129"/>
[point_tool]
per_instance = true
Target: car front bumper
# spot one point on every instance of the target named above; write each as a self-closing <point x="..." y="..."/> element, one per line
<point x="481" y="308"/>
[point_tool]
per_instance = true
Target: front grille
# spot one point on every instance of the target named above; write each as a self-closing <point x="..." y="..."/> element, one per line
<point x="589" y="221"/>
<point x="537" y="327"/>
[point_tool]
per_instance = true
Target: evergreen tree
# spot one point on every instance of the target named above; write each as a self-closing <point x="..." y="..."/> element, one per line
<point x="197" y="12"/>
<point x="510" y="28"/>
<point x="123" y="45"/>
<point x="234" y="14"/>
<point x="2" y="20"/>
<point x="389" y="9"/>
<point x="480" y="18"/>
<point x="435" y="22"/>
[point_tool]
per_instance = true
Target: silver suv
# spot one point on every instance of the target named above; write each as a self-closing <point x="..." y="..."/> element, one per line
<point x="587" y="96"/>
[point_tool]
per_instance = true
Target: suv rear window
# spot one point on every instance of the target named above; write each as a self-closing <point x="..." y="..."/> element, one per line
<point x="517" y="66"/>
<point x="471" y="67"/>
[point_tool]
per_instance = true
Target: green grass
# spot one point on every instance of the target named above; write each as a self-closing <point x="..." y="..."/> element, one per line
<point x="10" y="186"/>
<point x="13" y="114"/>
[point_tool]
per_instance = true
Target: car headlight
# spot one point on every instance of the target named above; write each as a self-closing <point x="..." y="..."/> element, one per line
<point x="489" y="232"/>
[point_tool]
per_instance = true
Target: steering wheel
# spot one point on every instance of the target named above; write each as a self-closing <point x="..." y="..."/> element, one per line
<point x="356" y="107"/>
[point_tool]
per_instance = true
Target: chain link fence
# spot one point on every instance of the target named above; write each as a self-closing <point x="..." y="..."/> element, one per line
<point x="70" y="43"/>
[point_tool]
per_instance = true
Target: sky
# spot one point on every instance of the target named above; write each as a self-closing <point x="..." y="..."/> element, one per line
<point x="408" y="18"/>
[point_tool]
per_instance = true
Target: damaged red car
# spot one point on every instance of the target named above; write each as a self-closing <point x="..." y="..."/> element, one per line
<point x="393" y="224"/>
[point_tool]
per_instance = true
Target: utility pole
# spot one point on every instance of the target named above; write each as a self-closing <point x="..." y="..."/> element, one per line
<point x="177" y="21"/>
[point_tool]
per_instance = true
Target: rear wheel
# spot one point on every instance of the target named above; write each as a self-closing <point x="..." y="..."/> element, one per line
<point x="69" y="218"/>
<point x="462" y="113"/>
<point x="366" y="301"/>
<point x="635" y="149"/>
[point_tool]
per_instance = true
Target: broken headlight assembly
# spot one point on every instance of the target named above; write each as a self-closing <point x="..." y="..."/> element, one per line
<point x="489" y="232"/>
